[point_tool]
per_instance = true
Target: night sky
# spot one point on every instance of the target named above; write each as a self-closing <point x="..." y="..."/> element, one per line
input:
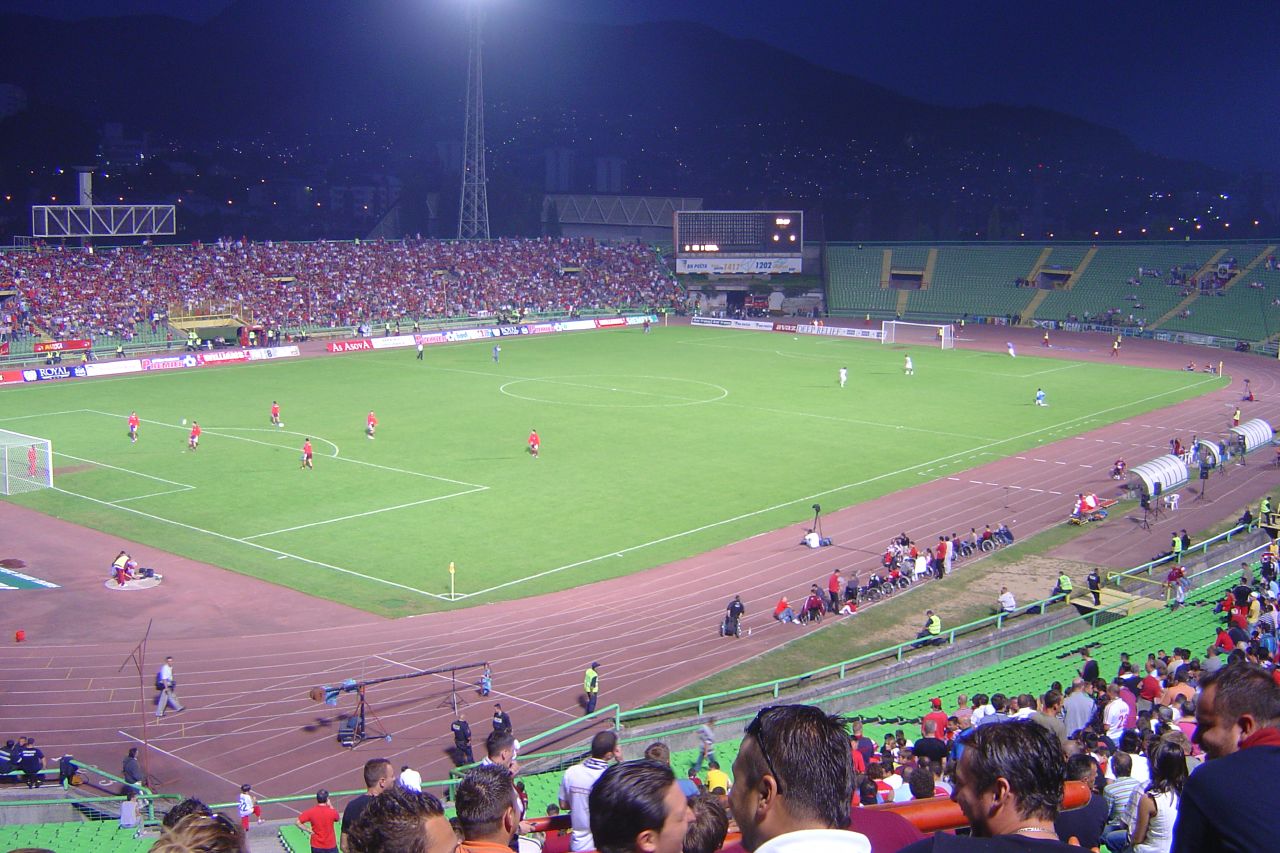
<point x="1195" y="80"/>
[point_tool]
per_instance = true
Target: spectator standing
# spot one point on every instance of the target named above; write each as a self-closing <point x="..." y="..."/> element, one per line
<point x="1088" y="666"/>
<point x="794" y="782"/>
<point x="1078" y="707"/>
<point x="379" y="775"/>
<point x="1115" y="713"/>
<point x="575" y="787"/>
<point x="318" y="822"/>
<point x="937" y="715"/>
<point x="931" y="746"/>
<point x="247" y="806"/>
<point x="168" y="686"/>
<point x="637" y="807"/>
<point x="1009" y="784"/>
<point x="1050" y="716"/>
<point x="1231" y="801"/>
<point x="132" y="771"/>
<point x="488" y="810"/>
<point x="401" y="821"/>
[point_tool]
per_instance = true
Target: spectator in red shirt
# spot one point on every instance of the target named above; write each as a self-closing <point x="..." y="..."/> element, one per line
<point x="937" y="715"/>
<point x="321" y="818"/>
<point x="1150" y="689"/>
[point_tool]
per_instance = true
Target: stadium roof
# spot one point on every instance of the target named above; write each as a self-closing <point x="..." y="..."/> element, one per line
<point x="647" y="211"/>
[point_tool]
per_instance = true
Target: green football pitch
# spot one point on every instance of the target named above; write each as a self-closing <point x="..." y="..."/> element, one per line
<point x="653" y="448"/>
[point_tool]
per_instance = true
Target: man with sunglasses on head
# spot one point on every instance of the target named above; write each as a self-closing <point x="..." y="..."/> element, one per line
<point x="793" y="782"/>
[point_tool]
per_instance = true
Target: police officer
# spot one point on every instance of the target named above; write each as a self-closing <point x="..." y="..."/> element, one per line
<point x="462" y="738"/>
<point x="1094" y="580"/>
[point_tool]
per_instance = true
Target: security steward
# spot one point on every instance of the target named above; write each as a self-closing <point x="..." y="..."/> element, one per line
<point x="591" y="685"/>
<point x="932" y="627"/>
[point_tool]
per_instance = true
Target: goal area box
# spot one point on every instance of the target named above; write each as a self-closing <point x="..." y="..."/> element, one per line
<point x="942" y="335"/>
<point x="26" y="464"/>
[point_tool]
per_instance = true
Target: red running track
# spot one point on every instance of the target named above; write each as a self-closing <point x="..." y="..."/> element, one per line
<point x="247" y="652"/>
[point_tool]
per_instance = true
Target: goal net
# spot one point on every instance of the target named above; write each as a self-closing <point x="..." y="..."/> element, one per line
<point x="919" y="334"/>
<point x="27" y="463"/>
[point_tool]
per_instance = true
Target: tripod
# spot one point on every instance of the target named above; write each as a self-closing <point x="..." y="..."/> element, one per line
<point x="360" y="731"/>
<point x="454" y="702"/>
<point x="1145" y="524"/>
<point x="817" y="519"/>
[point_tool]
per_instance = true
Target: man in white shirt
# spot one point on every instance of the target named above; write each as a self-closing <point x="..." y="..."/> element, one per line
<point x="165" y="683"/>
<point x="575" y="787"/>
<point x="1007" y="603"/>
<point x="793" y="780"/>
<point x="411" y="779"/>
<point x="812" y="539"/>
<point x="1113" y="716"/>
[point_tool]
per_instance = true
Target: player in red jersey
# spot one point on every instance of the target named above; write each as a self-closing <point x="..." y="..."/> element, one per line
<point x="133" y="427"/>
<point x="193" y="440"/>
<point x="275" y="414"/>
<point x="306" y="454"/>
<point x="32" y="456"/>
<point x="370" y="425"/>
<point x="535" y="443"/>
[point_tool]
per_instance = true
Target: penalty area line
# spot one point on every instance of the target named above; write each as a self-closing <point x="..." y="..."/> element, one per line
<point x="366" y="513"/>
<point x="226" y="538"/>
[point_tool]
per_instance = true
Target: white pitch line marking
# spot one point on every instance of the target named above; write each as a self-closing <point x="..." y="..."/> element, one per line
<point x="225" y="537"/>
<point x="363" y="514"/>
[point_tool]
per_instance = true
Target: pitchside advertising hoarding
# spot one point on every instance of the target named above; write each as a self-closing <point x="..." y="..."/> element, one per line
<point x="62" y="346"/>
<point x="787" y="328"/>
<point x="454" y="336"/>
<point x="158" y="363"/>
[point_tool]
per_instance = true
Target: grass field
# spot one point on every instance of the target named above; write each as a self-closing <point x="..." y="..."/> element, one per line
<point x="653" y="448"/>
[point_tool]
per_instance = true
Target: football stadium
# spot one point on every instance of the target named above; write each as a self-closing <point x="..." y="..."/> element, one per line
<point x="679" y="528"/>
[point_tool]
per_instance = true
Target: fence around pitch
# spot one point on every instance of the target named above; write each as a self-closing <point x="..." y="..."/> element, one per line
<point x="145" y="795"/>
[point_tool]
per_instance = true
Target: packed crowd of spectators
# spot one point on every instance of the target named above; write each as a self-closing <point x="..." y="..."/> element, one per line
<point x="121" y="292"/>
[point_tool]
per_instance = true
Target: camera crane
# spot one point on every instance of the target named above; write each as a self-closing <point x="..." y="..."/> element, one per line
<point x="355" y="729"/>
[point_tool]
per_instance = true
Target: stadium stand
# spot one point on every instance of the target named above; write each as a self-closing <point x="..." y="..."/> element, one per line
<point x="853" y="276"/>
<point x="126" y="294"/>
<point x="962" y="270"/>
<point x="101" y="837"/>
<point x="1193" y="626"/>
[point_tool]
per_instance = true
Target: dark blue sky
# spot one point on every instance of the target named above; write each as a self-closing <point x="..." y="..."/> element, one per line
<point x="1187" y="79"/>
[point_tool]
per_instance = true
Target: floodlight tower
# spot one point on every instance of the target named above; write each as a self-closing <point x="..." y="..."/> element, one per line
<point x="473" y="207"/>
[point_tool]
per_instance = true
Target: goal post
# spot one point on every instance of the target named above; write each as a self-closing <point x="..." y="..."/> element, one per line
<point x="27" y="463"/>
<point x="942" y="335"/>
